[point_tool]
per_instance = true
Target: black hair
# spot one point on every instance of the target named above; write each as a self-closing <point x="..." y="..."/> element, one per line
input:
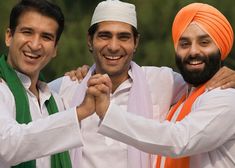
<point x="43" y="7"/>
<point x="94" y="27"/>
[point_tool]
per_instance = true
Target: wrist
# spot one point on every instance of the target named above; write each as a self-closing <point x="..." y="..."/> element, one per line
<point x="81" y="113"/>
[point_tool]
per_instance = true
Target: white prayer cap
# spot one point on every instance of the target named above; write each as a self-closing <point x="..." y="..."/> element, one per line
<point x="115" y="10"/>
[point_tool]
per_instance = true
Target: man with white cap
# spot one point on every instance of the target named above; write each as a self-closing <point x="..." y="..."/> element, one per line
<point x="113" y="39"/>
<point x="200" y="129"/>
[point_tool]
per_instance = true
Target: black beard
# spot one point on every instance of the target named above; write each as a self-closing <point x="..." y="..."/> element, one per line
<point x="198" y="77"/>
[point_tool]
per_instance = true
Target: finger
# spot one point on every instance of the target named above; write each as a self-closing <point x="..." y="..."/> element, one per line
<point x="107" y="81"/>
<point x="220" y="78"/>
<point x="84" y="70"/>
<point x="228" y="85"/>
<point x="93" y="91"/>
<point x="95" y="80"/>
<point x="78" y="74"/>
<point x="72" y="75"/>
<point x="101" y="79"/>
<point x="228" y="82"/>
<point x="104" y="89"/>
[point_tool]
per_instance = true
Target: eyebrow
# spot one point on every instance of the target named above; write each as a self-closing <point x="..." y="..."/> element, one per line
<point x="199" y="37"/>
<point x="51" y="35"/>
<point x="119" y="33"/>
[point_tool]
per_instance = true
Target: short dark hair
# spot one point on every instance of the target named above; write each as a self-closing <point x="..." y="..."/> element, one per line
<point x="43" y="7"/>
<point x="94" y="27"/>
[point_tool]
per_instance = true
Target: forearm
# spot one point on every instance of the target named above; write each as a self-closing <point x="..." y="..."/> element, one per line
<point x="53" y="134"/>
<point x="195" y="134"/>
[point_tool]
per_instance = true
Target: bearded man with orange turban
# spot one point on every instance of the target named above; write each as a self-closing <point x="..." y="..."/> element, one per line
<point x="199" y="131"/>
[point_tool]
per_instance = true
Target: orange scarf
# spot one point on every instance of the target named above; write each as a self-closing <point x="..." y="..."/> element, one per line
<point x="186" y="109"/>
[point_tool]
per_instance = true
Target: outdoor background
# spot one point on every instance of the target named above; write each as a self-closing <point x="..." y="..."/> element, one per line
<point x="154" y="25"/>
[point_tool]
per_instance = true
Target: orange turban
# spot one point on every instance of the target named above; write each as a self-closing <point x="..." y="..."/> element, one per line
<point x="210" y="20"/>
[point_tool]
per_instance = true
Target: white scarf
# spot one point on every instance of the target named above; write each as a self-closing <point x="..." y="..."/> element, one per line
<point x="139" y="103"/>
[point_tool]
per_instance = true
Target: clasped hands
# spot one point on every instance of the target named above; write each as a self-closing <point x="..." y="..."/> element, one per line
<point x="97" y="98"/>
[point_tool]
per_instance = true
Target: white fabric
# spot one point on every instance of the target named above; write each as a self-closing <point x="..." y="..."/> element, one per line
<point x="102" y="152"/>
<point x="139" y="102"/>
<point x="53" y="134"/>
<point x="114" y="10"/>
<point x="207" y="134"/>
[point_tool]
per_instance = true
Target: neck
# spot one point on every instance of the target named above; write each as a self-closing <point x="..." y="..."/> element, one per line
<point x="117" y="81"/>
<point x="33" y="87"/>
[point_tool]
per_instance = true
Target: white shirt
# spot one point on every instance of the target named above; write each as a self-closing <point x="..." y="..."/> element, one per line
<point x="43" y="136"/>
<point x="103" y="152"/>
<point x="207" y="134"/>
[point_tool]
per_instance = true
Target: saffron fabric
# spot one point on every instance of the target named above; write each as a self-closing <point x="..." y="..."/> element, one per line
<point x="210" y="20"/>
<point x="206" y="134"/>
<point x="186" y="109"/>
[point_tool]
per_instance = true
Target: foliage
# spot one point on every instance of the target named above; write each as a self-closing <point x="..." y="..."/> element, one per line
<point x="154" y="24"/>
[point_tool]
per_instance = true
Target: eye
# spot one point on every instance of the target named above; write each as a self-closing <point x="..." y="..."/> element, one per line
<point x="184" y="44"/>
<point x="124" y="37"/>
<point x="205" y="42"/>
<point x="47" y="38"/>
<point x="104" y="36"/>
<point x="26" y="32"/>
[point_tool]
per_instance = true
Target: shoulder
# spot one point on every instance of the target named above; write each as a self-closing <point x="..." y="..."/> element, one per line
<point x="61" y="84"/>
<point x="218" y="97"/>
<point x="161" y="75"/>
<point x="157" y="70"/>
<point x="6" y="94"/>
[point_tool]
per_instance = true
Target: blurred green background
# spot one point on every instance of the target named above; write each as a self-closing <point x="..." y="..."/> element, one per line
<point x="154" y="24"/>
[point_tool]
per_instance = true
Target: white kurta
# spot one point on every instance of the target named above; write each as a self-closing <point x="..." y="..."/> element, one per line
<point x="207" y="134"/>
<point x="43" y="136"/>
<point x="103" y="152"/>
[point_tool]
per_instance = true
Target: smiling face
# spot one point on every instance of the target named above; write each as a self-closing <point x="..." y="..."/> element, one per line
<point x="33" y="44"/>
<point x="197" y="56"/>
<point x="113" y="46"/>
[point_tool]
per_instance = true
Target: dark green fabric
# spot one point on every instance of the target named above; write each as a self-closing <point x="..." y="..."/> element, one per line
<point x="61" y="160"/>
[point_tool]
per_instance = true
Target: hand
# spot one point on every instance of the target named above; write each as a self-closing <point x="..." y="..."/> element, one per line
<point x="87" y="107"/>
<point x="79" y="73"/>
<point x="224" y="78"/>
<point x="100" y="86"/>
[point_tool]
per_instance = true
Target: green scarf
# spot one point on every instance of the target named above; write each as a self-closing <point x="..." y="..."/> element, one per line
<point x="60" y="160"/>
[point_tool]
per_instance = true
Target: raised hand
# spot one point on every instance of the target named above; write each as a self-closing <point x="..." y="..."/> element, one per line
<point x="87" y="107"/>
<point x="224" y="78"/>
<point x="78" y="74"/>
<point x="100" y="87"/>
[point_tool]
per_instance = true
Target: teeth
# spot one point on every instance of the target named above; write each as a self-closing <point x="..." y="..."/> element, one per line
<point x="112" y="57"/>
<point x="31" y="55"/>
<point x="195" y="62"/>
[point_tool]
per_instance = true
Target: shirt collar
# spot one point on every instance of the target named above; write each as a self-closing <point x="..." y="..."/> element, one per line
<point x="44" y="91"/>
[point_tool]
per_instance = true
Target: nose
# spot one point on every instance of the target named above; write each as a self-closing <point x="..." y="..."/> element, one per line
<point x="35" y="43"/>
<point x="195" y="50"/>
<point x="113" y="45"/>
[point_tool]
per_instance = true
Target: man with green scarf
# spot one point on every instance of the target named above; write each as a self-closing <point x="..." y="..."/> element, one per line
<point x="29" y="130"/>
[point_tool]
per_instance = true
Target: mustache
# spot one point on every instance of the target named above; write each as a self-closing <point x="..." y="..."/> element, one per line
<point x="198" y="57"/>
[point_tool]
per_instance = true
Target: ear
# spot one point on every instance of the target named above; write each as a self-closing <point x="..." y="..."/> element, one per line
<point x="8" y="37"/>
<point x="136" y="43"/>
<point x="55" y="52"/>
<point x="89" y="43"/>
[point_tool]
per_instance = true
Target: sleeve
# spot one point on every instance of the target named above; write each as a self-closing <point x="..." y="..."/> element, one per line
<point x="65" y="88"/>
<point x="194" y="134"/>
<point x="166" y="87"/>
<point x="179" y="87"/>
<point x="23" y="142"/>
